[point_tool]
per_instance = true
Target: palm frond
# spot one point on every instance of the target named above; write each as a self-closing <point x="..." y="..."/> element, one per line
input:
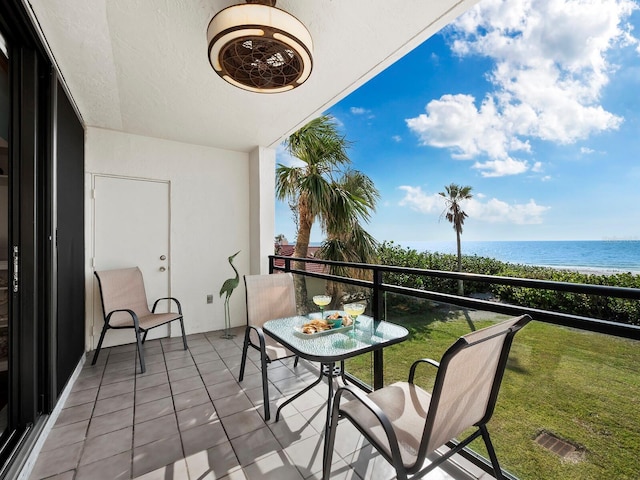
<point x="319" y="144"/>
<point x="453" y="212"/>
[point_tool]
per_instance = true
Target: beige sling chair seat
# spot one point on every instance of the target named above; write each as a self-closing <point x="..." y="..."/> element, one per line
<point x="405" y="423"/>
<point x="268" y="297"/>
<point x="124" y="305"/>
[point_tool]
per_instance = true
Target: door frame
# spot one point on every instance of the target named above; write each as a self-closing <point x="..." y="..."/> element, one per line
<point x="95" y="318"/>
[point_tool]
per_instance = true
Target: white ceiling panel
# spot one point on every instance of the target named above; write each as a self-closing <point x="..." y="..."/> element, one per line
<point x="141" y="66"/>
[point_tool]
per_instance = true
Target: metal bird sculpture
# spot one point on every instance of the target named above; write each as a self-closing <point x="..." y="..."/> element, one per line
<point x="228" y="287"/>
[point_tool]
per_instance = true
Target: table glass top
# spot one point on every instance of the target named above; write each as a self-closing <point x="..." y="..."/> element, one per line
<point x="333" y="346"/>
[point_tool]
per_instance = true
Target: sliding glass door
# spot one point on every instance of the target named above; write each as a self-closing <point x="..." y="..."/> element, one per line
<point x="4" y="236"/>
<point x="25" y="236"/>
<point x="41" y="237"/>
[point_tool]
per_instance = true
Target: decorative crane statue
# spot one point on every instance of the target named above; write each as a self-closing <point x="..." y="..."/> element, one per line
<point x="228" y="287"/>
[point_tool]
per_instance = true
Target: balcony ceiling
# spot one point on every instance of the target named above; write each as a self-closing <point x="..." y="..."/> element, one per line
<point x="141" y="67"/>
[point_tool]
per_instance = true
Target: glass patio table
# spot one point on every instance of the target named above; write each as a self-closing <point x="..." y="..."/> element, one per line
<point x="330" y="347"/>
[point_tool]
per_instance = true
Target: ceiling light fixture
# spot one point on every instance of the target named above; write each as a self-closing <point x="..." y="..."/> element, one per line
<point x="260" y="48"/>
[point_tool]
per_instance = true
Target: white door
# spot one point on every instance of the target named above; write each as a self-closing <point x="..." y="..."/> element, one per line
<point x="131" y="228"/>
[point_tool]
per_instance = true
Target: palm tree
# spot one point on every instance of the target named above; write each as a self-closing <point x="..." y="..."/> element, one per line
<point x="279" y="241"/>
<point x="323" y="187"/>
<point x="455" y="195"/>
<point x="354" y="199"/>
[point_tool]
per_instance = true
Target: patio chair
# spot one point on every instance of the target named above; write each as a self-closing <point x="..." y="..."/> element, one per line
<point x="405" y="423"/>
<point x="268" y="297"/>
<point x="124" y="305"/>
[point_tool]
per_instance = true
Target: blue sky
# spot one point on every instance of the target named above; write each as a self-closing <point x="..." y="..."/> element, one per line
<point x="533" y="103"/>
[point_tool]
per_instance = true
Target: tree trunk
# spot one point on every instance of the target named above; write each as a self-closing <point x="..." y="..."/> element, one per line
<point x="301" y="249"/>
<point x="334" y="289"/>
<point x="460" y="282"/>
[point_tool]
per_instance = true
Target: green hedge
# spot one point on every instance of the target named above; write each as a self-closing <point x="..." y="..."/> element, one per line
<point x="593" y="306"/>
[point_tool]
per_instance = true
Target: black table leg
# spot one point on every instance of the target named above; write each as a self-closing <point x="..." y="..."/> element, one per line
<point x="301" y="392"/>
<point x="330" y="371"/>
<point x="331" y="374"/>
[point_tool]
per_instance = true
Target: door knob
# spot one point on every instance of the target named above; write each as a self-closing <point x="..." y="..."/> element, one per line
<point x="162" y="269"/>
<point x="163" y="257"/>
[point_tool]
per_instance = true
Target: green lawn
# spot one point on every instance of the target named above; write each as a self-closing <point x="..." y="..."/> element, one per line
<point x="581" y="387"/>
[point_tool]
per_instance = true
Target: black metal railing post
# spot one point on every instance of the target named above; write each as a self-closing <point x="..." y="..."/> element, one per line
<point x="377" y="300"/>
<point x="377" y="311"/>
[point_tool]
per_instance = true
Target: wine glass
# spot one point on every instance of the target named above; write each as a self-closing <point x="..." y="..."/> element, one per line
<point x="322" y="301"/>
<point x="353" y="310"/>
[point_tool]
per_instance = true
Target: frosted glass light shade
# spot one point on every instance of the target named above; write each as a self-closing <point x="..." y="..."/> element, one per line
<point x="260" y="48"/>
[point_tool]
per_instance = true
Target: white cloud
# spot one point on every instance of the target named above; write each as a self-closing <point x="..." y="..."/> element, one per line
<point x="283" y="157"/>
<point x="498" y="211"/>
<point x="501" y="168"/>
<point x="339" y="123"/>
<point x="419" y="201"/>
<point x="396" y="138"/>
<point x="586" y="151"/>
<point x="359" y="111"/>
<point x="455" y="122"/>
<point x="491" y="210"/>
<point x="537" y="167"/>
<point x="550" y="69"/>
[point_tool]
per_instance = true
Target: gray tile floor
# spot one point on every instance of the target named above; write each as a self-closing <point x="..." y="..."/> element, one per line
<point x="187" y="417"/>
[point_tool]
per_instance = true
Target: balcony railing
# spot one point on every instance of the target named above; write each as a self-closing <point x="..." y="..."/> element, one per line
<point x="380" y="293"/>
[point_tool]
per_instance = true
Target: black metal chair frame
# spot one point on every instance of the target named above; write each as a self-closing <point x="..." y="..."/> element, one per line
<point x="264" y="362"/>
<point x="136" y="326"/>
<point x="264" y="357"/>
<point x="395" y="459"/>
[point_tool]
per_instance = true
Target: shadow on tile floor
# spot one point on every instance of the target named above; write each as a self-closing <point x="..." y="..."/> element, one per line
<point x="187" y="417"/>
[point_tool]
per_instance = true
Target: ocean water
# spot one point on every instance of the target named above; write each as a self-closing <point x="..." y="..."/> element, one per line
<point x="606" y="256"/>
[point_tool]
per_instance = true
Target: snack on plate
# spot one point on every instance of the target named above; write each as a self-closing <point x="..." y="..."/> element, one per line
<point x="346" y="319"/>
<point x="315" y="326"/>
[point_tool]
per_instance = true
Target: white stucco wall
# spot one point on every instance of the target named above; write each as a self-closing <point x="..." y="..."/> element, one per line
<point x="210" y="216"/>
<point x="262" y="166"/>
